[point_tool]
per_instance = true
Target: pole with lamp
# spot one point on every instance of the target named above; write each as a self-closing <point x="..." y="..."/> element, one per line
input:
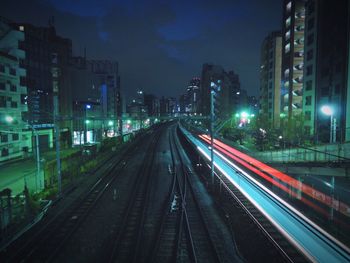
<point x="329" y="111"/>
<point x="214" y="87"/>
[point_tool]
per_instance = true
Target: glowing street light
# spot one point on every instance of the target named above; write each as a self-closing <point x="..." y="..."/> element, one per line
<point x="87" y="121"/>
<point x="327" y="110"/>
<point x="110" y="123"/>
<point x="244" y="114"/>
<point x="9" y="119"/>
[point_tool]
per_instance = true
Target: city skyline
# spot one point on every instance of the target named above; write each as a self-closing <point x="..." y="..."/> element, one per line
<point x="150" y="40"/>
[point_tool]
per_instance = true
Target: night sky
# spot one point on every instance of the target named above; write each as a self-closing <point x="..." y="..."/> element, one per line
<point x="160" y="45"/>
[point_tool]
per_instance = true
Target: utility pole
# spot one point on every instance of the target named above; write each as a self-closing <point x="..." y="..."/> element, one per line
<point x="57" y="140"/>
<point x="212" y="135"/>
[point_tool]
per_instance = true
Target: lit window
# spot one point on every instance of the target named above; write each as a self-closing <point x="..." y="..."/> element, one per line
<point x="21" y="28"/>
<point x="287" y="48"/>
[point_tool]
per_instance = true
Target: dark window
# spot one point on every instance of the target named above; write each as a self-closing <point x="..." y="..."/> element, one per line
<point x="270" y="75"/>
<point x="310" y="39"/>
<point x="2" y="102"/>
<point x="270" y="95"/>
<point x="310" y="54"/>
<point x="307" y="115"/>
<point x="13" y="104"/>
<point x="310" y="23"/>
<point x="270" y="65"/>
<point x="4" y="152"/>
<point x="4" y="138"/>
<point x="2" y="86"/>
<point x="311" y="7"/>
<point x="308" y="100"/>
<point x="337" y="89"/>
<point x="325" y="72"/>
<point x="338" y="67"/>
<point x="309" y="70"/>
<point x="307" y="130"/>
<point x="325" y="91"/>
<point x="13" y="88"/>
<point x="308" y="85"/>
<point x="22" y="81"/>
<point x="2" y="68"/>
<point x="271" y="54"/>
<point x="15" y="137"/>
<point x="270" y="85"/>
<point x="24" y="99"/>
<point x="12" y="71"/>
<point x="270" y="105"/>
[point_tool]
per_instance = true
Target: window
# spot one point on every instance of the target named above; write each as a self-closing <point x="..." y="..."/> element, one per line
<point x="270" y="75"/>
<point x="307" y="115"/>
<point x="311" y="7"/>
<point x="338" y="67"/>
<point x="310" y="54"/>
<point x="22" y="81"/>
<point x="12" y="71"/>
<point x="4" y="138"/>
<point x="2" y="102"/>
<point x="308" y="100"/>
<point x="13" y="88"/>
<point x="13" y="104"/>
<point x="310" y="23"/>
<point x="15" y="137"/>
<point x="310" y="39"/>
<point x="24" y="98"/>
<point x="325" y="72"/>
<point x="270" y="95"/>
<point x="325" y="91"/>
<point x="270" y="105"/>
<point x="4" y="152"/>
<point x="308" y="85"/>
<point x="337" y="89"/>
<point x="309" y="70"/>
<point x="270" y="85"/>
<point x="307" y="130"/>
<point x="287" y="48"/>
<point x="2" y="86"/>
<point x="2" y="68"/>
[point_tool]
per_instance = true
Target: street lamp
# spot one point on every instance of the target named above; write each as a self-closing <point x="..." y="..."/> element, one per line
<point x="329" y="111"/>
<point x="214" y="87"/>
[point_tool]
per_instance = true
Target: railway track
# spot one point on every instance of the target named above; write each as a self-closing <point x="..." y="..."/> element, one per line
<point x="183" y="235"/>
<point x="127" y="244"/>
<point x="47" y="241"/>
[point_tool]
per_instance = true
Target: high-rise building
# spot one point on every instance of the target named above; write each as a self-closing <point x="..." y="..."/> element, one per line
<point x="270" y="79"/>
<point x="326" y="70"/>
<point x="109" y="84"/>
<point x="152" y="104"/>
<point x="293" y="24"/>
<point x="192" y="96"/>
<point x="226" y="98"/>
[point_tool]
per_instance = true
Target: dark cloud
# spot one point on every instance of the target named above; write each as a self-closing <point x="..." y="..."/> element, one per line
<point x="160" y="45"/>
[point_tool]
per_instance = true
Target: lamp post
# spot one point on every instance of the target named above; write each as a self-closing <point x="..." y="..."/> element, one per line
<point x="328" y="110"/>
<point x="214" y="87"/>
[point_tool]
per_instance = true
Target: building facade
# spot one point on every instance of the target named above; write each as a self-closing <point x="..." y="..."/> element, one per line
<point x="326" y="70"/>
<point x="226" y="98"/>
<point x="293" y="24"/>
<point x="270" y="79"/>
<point x="14" y="142"/>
